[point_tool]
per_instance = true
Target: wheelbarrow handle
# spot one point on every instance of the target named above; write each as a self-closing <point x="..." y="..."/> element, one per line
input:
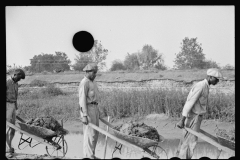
<point x="107" y="123"/>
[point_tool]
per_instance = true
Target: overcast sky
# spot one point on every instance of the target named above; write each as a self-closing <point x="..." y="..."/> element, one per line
<point x="32" y="30"/>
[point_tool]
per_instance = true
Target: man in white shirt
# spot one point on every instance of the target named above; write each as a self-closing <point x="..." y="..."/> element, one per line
<point x="89" y="111"/>
<point x="194" y="108"/>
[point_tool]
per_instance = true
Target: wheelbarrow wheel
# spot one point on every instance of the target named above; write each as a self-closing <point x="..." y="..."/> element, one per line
<point x="157" y="152"/>
<point x="58" y="153"/>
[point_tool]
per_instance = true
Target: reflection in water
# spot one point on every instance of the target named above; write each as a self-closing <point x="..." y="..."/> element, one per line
<point x="74" y="142"/>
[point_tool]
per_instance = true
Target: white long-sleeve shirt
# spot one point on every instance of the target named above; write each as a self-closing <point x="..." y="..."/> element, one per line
<point x="197" y="99"/>
<point x="88" y="92"/>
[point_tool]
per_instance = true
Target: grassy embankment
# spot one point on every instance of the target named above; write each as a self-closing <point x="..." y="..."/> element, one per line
<point x="121" y="76"/>
<point x="118" y="103"/>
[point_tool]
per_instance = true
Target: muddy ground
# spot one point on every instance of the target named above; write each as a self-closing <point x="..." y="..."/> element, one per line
<point x="164" y="125"/>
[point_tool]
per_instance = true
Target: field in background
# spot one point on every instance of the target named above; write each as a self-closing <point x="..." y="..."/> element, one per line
<point x="118" y="103"/>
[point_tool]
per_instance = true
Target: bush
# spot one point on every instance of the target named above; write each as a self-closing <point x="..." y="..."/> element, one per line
<point x="38" y="83"/>
<point x="228" y="67"/>
<point x="45" y="72"/>
<point x="52" y="90"/>
<point x="117" y="65"/>
<point x="24" y="92"/>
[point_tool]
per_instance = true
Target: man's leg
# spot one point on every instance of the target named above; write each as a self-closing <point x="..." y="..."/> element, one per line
<point x="8" y="145"/>
<point x="184" y="147"/>
<point x="10" y="117"/>
<point x="189" y="141"/>
<point x="10" y="132"/>
<point x="90" y="135"/>
<point x="192" y="138"/>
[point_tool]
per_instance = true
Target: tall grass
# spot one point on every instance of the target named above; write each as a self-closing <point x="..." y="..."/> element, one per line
<point x="119" y="103"/>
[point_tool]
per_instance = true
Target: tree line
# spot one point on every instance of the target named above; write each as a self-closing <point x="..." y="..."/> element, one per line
<point x="190" y="56"/>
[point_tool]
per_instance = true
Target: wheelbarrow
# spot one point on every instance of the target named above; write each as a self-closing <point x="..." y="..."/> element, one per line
<point x="56" y="145"/>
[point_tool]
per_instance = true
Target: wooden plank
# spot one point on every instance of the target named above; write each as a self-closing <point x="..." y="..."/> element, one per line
<point x="209" y="135"/>
<point x="30" y="135"/>
<point x="210" y="140"/>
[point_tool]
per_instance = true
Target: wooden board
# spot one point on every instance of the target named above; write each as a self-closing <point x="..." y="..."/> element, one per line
<point x="210" y="139"/>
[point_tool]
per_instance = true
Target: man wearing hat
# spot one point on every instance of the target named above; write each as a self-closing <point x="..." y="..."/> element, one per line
<point x="11" y="106"/>
<point x="194" y="108"/>
<point x="89" y="111"/>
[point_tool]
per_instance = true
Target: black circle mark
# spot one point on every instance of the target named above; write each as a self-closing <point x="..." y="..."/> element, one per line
<point x="83" y="41"/>
<point x="204" y="158"/>
<point x="174" y="158"/>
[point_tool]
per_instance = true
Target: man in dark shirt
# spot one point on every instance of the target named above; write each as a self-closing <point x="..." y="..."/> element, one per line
<point x="11" y="106"/>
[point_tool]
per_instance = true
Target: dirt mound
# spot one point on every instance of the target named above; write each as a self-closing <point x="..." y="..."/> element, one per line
<point x="139" y="130"/>
<point x="227" y="134"/>
<point x="49" y="123"/>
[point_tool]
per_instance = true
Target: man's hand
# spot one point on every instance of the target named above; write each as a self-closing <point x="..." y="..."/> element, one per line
<point x="85" y="120"/>
<point x="180" y="124"/>
<point x="17" y="112"/>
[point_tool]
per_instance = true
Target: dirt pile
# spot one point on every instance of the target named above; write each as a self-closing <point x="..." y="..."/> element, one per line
<point x="227" y="134"/>
<point x="139" y="130"/>
<point x="49" y="123"/>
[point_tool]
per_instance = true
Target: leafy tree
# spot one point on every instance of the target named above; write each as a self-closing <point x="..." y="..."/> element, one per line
<point x="150" y="58"/>
<point x="211" y="64"/>
<point x="50" y="62"/>
<point x="97" y="54"/>
<point x="117" y="65"/>
<point x="228" y="66"/>
<point x="160" y="65"/>
<point x="27" y="68"/>
<point x="11" y="69"/>
<point x="62" y="60"/>
<point x="81" y="61"/>
<point x="190" y="56"/>
<point x="131" y="61"/>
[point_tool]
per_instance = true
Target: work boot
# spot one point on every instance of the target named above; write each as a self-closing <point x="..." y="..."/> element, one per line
<point x="10" y="152"/>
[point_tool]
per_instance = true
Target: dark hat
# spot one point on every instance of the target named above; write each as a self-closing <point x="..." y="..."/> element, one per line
<point x="20" y="72"/>
<point x="90" y="67"/>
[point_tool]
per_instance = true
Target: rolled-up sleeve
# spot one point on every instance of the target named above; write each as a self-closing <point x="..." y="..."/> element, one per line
<point x="191" y="100"/>
<point x="83" y="90"/>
